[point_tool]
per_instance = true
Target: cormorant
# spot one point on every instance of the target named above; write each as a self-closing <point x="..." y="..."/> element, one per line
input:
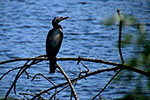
<point x="53" y="42"/>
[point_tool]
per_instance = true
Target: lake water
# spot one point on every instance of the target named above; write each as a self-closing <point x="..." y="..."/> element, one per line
<point x="24" y="25"/>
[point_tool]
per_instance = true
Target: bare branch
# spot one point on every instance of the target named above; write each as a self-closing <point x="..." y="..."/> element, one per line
<point x="85" y="67"/>
<point x="64" y="59"/>
<point x="24" y="94"/>
<point x="44" y="77"/>
<point x="38" y="59"/>
<point x="120" y="33"/>
<point x="27" y="74"/>
<point x="83" y="59"/>
<point x="106" y="84"/>
<point x="69" y="81"/>
<point x="81" y="77"/>
<point x="8" y="72"/>
<point x="14" y="82"/>
<point x="20" y="72"/>
<point x="58" y="91"/>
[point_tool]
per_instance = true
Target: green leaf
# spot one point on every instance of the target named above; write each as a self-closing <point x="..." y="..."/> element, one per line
<point x="126" y="40"/>
<point x="129" y="20"/>
<point x="111" y="20"/>
<point x="133" y="62"/>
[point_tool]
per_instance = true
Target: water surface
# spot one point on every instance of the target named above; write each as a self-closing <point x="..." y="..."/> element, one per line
<point x="24" y="25"/>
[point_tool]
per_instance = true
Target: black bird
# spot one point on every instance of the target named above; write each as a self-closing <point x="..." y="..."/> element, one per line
<point x="53" y="42"/>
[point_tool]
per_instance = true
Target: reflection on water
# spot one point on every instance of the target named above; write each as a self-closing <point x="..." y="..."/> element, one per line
<point x="24" y="25"/>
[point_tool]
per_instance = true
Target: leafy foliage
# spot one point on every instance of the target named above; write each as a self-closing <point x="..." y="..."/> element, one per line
<point x="140" y="59"/>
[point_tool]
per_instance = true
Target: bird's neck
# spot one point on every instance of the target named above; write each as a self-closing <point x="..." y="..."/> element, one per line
<point x="56" y="26"/>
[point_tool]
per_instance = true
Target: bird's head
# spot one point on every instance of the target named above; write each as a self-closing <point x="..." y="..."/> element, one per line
<point x="58" y="19"/>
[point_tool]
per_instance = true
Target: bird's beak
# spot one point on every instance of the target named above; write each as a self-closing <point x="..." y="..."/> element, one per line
<point x="62" y="18"/>
<point x="65" y="18"/>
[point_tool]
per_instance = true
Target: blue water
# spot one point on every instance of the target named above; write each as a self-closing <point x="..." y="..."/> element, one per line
<point x="24" y="25"/>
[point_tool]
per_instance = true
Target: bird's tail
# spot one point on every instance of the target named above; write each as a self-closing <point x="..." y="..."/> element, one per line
<point x="52" y="65"/>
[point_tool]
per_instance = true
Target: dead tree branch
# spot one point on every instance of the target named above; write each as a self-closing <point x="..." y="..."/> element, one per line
<point x="14" y="82"/>
<point x="20" y="72"/>
<point x="44" y="77"/>
<point x="74" y="80"/>
<point x="58" y="91"/>
<point x="9" y="72"/>
<point x="84" y="59"/>
<point x="38" y="59"/>
<point x="120" y="53"/>
<point x="69" y="81"/>
<point x="106" y="84"/>
<point x="120" y="34"/>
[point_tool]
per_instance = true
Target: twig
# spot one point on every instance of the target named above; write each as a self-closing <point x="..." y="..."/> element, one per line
<point x="78" y="60"/>
<point x="44" y="77"/>
<point x="81" y="77"/>
<point x="100" y="98"/>
<point x="24" y="94"/>
<point x="18" y="75"/>
<point x="80" y="73"/>
<point x="9" y="72"/>
<point x="27" y="74"/>
<point x="120" y="33"/>
<point x="69" y="81"/>
<point x="120" y="52"/>
<point x="106" y="84"/>
<point x="24" y="59"/>
<point x="38" y="59"/>
<point x="58" y="91"/>
<point x="137" y="71"/>
<point x="20" y="72"/>
<point x="14" y="82"/>
<point x="83" y="71"/>
<point x="85" y="67"/>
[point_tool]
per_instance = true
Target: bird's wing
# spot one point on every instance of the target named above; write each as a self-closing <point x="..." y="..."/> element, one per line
<point x="54" y="39"/>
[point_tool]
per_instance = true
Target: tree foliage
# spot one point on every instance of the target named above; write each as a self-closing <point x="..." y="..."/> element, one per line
<point x="140" y="59"/>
